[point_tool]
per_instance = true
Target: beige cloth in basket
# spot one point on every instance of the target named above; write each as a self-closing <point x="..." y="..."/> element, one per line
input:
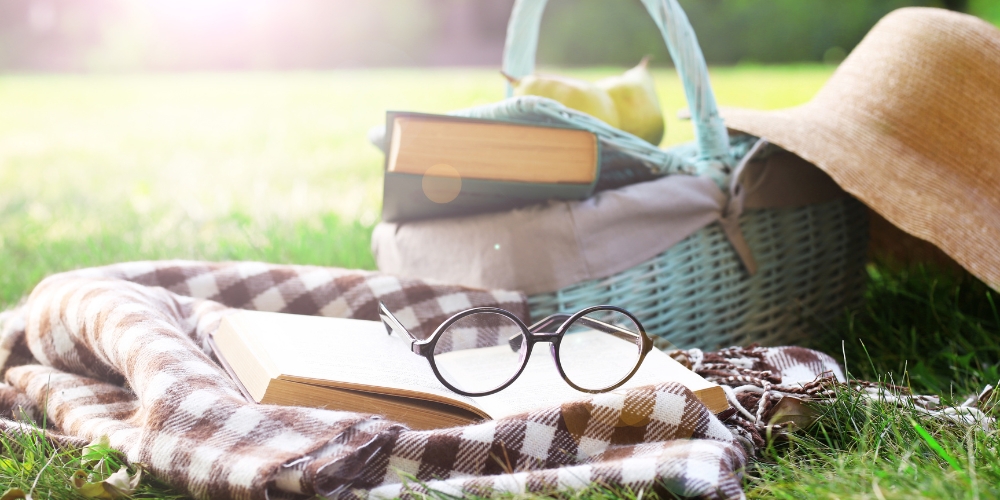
<point x="543" y="248"/>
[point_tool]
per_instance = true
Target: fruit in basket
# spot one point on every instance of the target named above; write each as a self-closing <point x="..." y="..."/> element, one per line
<point x="574" y="93"/>
<point x="634" y="95"/>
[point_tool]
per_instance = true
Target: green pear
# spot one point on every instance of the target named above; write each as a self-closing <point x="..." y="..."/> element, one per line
<point x="580" y="95"/>
<point x="634" y="95"/>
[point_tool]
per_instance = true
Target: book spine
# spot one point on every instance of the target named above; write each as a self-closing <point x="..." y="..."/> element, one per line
<point x="404" y="198"/>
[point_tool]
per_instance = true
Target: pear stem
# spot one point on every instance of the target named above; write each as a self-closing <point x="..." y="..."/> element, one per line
<point x="511" y="79"/>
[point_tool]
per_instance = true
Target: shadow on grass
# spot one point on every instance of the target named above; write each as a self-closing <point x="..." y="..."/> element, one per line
<point x="936" y="331"/>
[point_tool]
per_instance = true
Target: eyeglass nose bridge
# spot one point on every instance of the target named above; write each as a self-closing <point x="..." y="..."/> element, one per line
<point x="545" y="337"/>
<point x="515" y="341"/>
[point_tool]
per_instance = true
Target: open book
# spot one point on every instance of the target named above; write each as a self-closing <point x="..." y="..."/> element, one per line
<point x="354" y="365"/>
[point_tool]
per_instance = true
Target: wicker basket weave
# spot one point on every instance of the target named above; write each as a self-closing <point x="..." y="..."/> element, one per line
<point x="697" y="294"/>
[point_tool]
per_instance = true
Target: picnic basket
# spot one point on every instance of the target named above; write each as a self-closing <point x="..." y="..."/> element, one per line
<point x="699" y="292"/>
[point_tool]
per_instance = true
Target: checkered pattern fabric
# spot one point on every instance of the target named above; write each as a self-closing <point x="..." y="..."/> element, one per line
<point x="120" y="351"/>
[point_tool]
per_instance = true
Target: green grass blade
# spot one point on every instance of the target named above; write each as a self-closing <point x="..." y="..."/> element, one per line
<point x="937" y="448"/>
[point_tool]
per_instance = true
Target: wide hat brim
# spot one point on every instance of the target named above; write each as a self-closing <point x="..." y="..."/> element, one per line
<point x="910" y="125"/>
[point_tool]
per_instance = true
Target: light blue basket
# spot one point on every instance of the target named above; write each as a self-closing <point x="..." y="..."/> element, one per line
<point x="810" y="259"/>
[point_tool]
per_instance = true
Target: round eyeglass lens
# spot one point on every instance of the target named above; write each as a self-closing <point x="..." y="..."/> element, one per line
<point x="480" y="352"/>
<point x="600" y="349"/>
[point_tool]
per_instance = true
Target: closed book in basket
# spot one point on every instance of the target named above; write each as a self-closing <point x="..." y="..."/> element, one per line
<point x="734" y="242"/>
<point x="440" y="166"/>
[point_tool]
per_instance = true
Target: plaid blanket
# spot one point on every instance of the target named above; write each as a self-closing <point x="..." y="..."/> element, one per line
<point x="120" y="352"/>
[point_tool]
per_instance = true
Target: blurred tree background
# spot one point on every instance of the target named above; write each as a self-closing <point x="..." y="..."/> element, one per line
<point x="138" y="35"/>
<point x="729" y="31"/>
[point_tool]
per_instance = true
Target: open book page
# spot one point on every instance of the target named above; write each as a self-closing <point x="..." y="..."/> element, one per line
<point x="540" y="385"/>
<point x="346" y="353"/>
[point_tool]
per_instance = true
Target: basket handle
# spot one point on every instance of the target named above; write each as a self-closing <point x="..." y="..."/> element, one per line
<point x="710" y="131"/>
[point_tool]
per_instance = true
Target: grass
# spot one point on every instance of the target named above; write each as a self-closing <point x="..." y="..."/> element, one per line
<point x="276" y="167"/>
<point x="99" y="169"/>
<point x="40" y="469"/>
<point x="934" y="332"/>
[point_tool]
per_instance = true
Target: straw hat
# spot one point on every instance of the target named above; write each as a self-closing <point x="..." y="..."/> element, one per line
<point x="910" y="125"/>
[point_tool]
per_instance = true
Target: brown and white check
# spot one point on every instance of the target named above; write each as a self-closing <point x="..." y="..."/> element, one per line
<point x="120" y="351"/>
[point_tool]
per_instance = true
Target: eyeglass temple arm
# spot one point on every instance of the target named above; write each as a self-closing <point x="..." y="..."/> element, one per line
<point x="391" y="323"/>
<point x="608" y="328"/>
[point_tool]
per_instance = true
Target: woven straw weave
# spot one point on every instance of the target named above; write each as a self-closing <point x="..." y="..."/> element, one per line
<point x="908" y="123"/>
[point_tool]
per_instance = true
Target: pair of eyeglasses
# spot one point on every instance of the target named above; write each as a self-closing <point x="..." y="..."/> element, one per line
<point x="481" y="351"/>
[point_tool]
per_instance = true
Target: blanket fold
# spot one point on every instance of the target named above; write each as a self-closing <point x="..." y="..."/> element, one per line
<point x="120" y="351"/>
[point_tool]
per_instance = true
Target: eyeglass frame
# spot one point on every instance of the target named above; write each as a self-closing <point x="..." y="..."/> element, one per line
<point x="425" y="347"/>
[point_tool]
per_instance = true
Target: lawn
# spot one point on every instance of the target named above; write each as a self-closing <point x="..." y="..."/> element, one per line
<point x="96" y="169"/>
<point x="276" y="167"/>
